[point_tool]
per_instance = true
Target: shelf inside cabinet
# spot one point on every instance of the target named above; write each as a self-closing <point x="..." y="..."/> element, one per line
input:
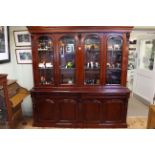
<point x="45" y="68"/>
<point x="48" y="49"/>
<point x="114" y="69"/>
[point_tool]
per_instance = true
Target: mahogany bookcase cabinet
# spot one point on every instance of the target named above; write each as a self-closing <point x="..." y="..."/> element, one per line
<point x="80" y="76"/>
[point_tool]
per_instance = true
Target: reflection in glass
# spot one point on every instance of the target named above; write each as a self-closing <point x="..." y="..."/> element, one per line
<point x="114" y="60"/>
<point x="92" y="62"/>
<point x="67" y="60"/>
<point x="45" y="56"/>
<point x="147" y="52"/>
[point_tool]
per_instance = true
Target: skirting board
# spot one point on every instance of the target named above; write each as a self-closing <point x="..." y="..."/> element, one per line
<point x="141" y="99"/>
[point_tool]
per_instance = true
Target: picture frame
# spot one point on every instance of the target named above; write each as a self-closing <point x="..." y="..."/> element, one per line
<point x="24" y="56"/>
<point x="22" y="38"/>
<point x="4" y="44"/>
<point x="69" y="48"/>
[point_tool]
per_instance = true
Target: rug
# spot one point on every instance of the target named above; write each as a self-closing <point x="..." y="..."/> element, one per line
<point x="137" y="122"/>
<point x="132" y="122"/>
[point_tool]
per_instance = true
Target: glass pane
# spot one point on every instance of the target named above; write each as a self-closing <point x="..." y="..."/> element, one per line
<point x="114" y="60"/>
<point x="92" y="62"/>
<point x="45" y="55"/>
<point x="147" y="52"/>
<point x="67" y="60"/>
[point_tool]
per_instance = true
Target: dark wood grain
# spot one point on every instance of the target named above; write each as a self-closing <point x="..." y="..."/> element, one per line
<point x="3" y="83"/>
<point x="79" y="105"/>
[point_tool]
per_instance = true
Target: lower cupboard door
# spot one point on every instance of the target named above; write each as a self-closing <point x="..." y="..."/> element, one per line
<point x="91" y="110"/>
<point x="47" y="110"/>
<point x="115" y="110"/>
<point x="68" y="110"/>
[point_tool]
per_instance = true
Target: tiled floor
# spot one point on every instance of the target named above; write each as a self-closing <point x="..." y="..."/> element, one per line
<point x="136" y="108"/>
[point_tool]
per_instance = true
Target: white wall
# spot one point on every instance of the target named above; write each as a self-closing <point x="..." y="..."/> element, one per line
<point x="21" y="72"/>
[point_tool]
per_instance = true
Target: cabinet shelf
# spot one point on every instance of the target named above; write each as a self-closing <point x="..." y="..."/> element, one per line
<point x="46" y="68"/>
<point x="48" y="49"/>
<point x="114" y="69"/>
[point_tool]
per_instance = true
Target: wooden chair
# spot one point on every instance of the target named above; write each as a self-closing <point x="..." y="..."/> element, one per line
<point x="13" y="95"/>
<point x="151" y="117"/>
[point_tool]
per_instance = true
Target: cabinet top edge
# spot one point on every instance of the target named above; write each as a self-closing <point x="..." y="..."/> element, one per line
<point x="3" y="76"/>
<point x="120" y="90"/>
<point x="52" y="29"/>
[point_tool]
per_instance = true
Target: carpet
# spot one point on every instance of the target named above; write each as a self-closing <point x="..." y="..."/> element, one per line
<point x="132" y="122"/>
<point x="137" y="122"/>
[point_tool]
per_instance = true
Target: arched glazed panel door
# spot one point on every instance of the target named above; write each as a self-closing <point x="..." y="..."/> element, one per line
<point x="92" y="60"/>
<point x="45" y="60"/>
<point x="67" y="60"/>
<point x="114" y="60"/>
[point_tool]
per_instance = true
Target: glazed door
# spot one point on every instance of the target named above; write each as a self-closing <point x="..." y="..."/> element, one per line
<point x="43" y="60"/>
<point x="92" y="50"/>
<point x="67" y="60"/>
<point x="114" y="59"/>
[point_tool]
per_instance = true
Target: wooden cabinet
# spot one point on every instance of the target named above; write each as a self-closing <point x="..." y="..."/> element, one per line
<point x="80" y="76"/>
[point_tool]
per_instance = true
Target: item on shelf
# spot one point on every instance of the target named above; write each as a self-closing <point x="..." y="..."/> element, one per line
<point x="42" y="80"/>
<point x="91" y="64"/>
<point x="118" y="65"/>
<point x="70" y="81"/>
<point x="41" y="65"/>
<point x="49" y="65"/>
<point x="116" y="47"/>
<point x="69" y="65"/>
<point x="113" y="66"/>
<point x="110" y="47"/>
<point x="70" y="48"/>
<point x="91" y="81"/>
<point x="108" y="65"/>
<point x="97" y="65"/>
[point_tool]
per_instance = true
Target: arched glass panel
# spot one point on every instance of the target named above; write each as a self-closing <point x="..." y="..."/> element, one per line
<point x="45" y="57"/>
<point x="114" y="60"/>
<point x="92" y="60"/>
<point x="67" y="60"/>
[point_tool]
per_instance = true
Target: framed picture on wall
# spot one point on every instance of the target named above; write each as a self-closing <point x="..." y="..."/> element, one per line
<point x="4" y="44"/>
<point x="24" y="56"/>
<point x="22" y="38"/>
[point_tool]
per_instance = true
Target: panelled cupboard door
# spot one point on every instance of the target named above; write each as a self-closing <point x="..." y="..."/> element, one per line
<point x="91" y="110"/>
<point x="68" y="110"/>
<point x="46" y="109"/>
<point x="114" y="110"/>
